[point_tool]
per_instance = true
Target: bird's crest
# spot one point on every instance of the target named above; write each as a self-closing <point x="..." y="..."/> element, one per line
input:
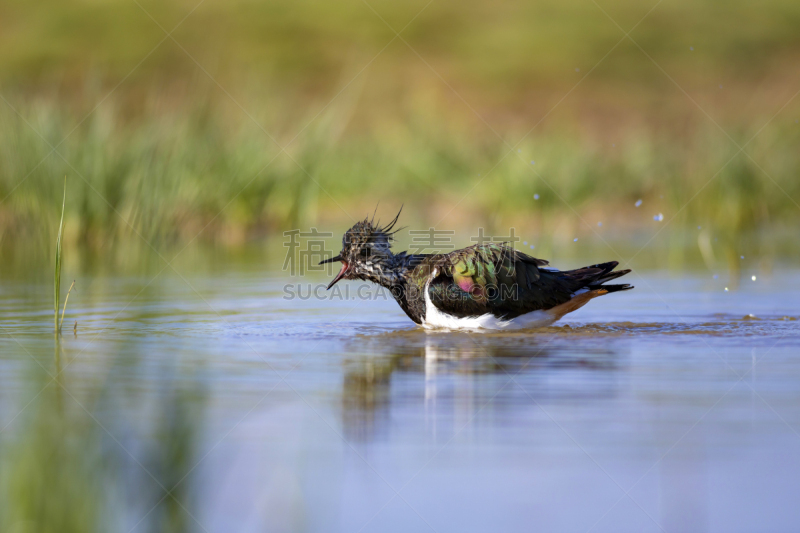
<point x="368" y="231"/>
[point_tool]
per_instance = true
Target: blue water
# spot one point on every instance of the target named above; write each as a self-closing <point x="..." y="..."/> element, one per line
<point x="673" y="407"/>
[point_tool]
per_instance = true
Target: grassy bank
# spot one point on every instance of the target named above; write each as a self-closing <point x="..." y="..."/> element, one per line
<point x="192" y="172"/>
<point x="168" y="141"/>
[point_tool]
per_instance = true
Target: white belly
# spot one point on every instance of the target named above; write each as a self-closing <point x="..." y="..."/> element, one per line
<point x="436" y="319"/>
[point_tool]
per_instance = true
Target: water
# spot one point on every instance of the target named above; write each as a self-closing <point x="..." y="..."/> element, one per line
<point x="211" y="403"/>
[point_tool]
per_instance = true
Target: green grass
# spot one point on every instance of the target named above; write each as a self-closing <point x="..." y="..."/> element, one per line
<point x="168" y="156"/>
<point x="57" y="275"/>
<point x="174" y="176"/>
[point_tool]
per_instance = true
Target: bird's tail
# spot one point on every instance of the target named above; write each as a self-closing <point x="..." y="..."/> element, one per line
<point x="593" y="277"/>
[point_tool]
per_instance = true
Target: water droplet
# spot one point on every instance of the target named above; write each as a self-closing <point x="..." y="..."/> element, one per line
<point x="533" y="162"/>
<point x="614" y="145"/>
<point x="519" y="151"/>
<point x="716" y="276"/>
<point x="699" y="227"/>
<point x="659" y="217"/>
<point x="720" y="86"/>
<point x="691" y="48"/>
<point x="577" y="70"/>
<point x="599" y="224"/>
<point x="575" y="239"/>
<point x="525" y="243"/>
<point x="532" y="247"/>
<point x="535" y="196"/>
<point x="726" y="289"/>
<point x="753" y="278"/>
<point x="638" y="203"/>
<point x="741" y="257"/>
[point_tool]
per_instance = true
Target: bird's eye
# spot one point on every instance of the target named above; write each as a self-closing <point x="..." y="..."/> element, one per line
<point x="365" y="252"/>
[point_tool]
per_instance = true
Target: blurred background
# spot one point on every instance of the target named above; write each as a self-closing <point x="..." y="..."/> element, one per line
<point x="188" y="393"/>
<point x="231" y="122"/>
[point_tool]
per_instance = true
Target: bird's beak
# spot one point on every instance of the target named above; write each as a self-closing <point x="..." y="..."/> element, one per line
<point x="331" y="260"/>
<point x="341" y="273"/>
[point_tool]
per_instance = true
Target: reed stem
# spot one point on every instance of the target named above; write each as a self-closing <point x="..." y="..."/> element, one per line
<point x="57" y="274"/>
<point x="64" y="310"/>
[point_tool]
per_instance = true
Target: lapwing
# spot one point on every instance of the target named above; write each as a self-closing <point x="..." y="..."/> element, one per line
<point x="485" y="286"/>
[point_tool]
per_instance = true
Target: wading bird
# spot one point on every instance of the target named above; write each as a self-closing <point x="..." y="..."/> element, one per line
<point x="486" y="286"/>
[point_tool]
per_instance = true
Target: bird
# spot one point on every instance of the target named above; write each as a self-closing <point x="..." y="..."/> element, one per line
<point x="487" y="286"/>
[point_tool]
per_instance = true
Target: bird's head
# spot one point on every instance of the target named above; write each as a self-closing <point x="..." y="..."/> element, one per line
<point x="366" y="251"/>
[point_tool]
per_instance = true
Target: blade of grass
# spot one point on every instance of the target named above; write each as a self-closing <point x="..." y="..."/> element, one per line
<point x="57" y="274"/>
<point x="64" y="310"/>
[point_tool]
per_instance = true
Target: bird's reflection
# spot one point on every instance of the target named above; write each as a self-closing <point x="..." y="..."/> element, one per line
<point x="455" y="370"/>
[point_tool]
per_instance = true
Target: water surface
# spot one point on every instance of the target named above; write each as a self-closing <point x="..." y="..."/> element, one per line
<point x="212" y="403"/>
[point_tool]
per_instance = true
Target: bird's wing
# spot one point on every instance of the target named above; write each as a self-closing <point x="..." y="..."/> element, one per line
<point x="493" y="278"/>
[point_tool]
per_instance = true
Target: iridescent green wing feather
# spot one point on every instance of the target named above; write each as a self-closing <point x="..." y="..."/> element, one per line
<point x="484" y="278"/>
<point x="491" y="266"/>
